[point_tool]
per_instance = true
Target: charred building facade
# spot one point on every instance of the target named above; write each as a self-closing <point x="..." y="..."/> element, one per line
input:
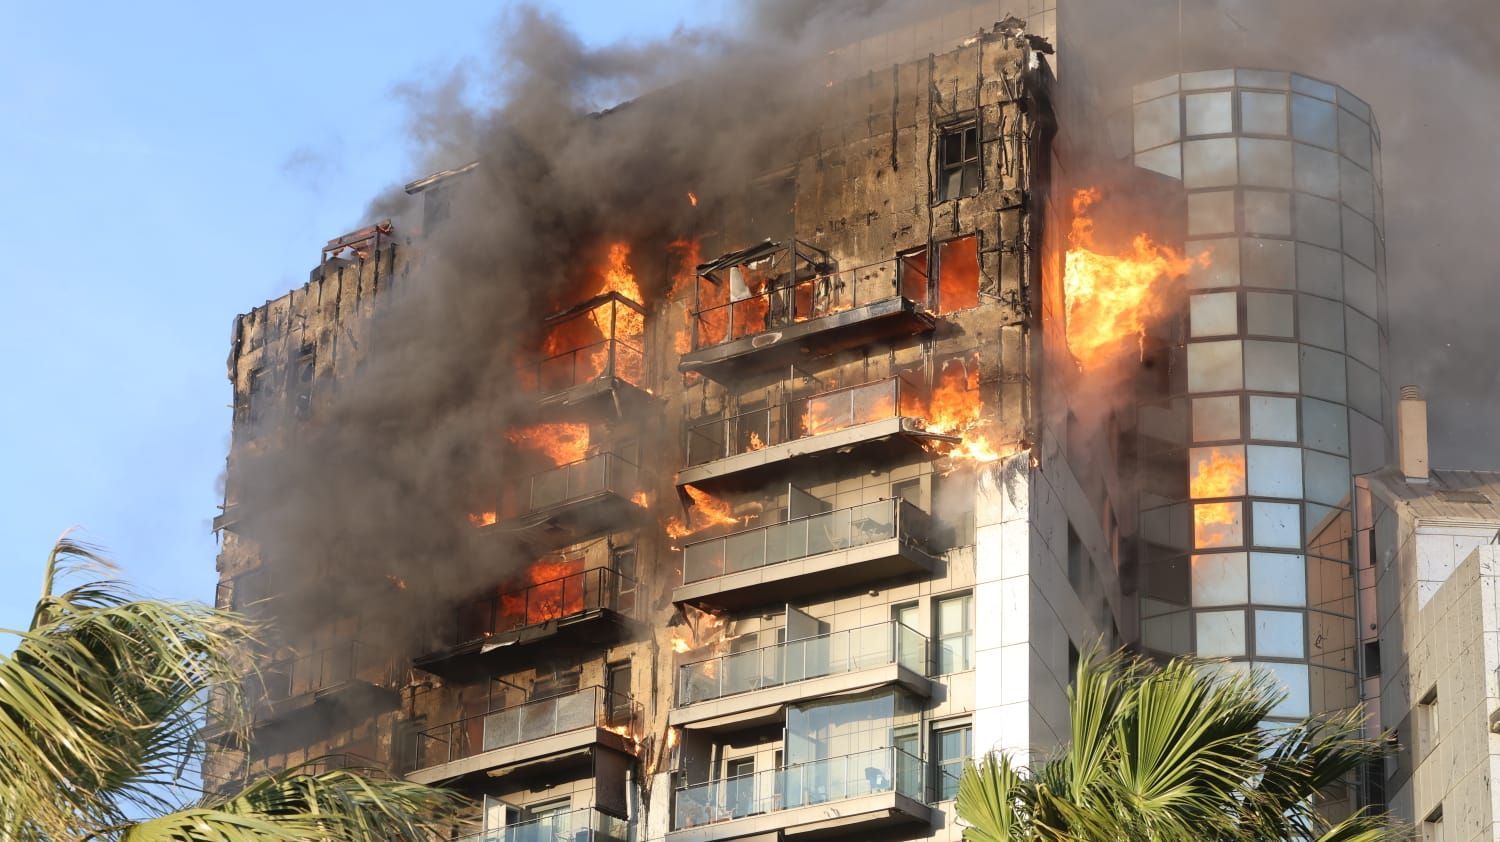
<point x="786" y="517"/>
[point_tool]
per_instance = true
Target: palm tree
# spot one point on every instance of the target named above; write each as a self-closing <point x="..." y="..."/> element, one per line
<point x="1174" y="752"/>
<point x="100" y="706"/>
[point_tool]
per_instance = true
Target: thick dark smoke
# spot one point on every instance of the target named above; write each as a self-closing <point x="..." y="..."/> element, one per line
<point x="1431" y="72"/>
<point x="408" y="444"/>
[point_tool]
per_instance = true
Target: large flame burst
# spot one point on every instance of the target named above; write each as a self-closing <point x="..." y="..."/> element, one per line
<point x="707" y="511"/>
<point x="1112" y="297"/>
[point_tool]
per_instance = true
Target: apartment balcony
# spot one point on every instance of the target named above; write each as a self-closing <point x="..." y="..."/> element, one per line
<point x="590" y="605"/>
<point x="571" y="502"/>
<point x="774" y="304"/>
<point x="555" y="732"/>
<point x="746" y="688"/>
<point x="856" y="796"/>
<point x="844" y="548"/>
<point x="870" y="422"/>
<point x="225" y="779"/>
<point x="348" y="676"/>
<point x="592" y="361"/>
<point x="585" y="825"/>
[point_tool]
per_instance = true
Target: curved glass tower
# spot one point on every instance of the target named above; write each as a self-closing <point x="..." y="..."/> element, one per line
<point x="1275" y="395"/>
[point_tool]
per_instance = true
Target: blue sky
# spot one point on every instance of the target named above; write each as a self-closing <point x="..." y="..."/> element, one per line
<point x="167" y="166"/>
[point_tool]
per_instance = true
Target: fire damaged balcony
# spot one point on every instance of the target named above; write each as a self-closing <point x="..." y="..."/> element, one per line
<point x="775" y="302"/>
<point x="867" y="421"/>
<point x="591" y="359"/>
<point x="568" y="605"/>
<point x="543" y="734"/>
<point x="854" y="796"/>
<point x="844" y="548"/>
<point x="745" y="687"/>
<point x="348" y="677"/>
<point x="570" y="502"/>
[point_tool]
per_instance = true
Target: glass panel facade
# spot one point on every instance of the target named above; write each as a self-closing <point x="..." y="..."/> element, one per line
<point x="1280" y="383"/>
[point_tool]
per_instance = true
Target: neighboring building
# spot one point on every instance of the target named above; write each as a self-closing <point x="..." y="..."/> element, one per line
<point x="842" y="511"/>
<point x="1429" y="549"/>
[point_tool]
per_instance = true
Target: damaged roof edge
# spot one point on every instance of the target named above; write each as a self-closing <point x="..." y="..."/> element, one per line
<point x="425" y="182"/>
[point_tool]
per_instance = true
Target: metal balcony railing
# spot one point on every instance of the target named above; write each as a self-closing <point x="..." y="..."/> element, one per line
<point x="591" y="707"/>
<point x="557" y="599"/>
<point x="244" y="592"/>
<point x="584" y="825"/>
<point x="800" y="785"/>
<point x="846" y="651"/>
<point x="239" y="774"/>
<point x="600" y="473"/>
<point x="813" y="535"/>
<point x="825" y="412"/>
<point x="722" y="320"/>
<point x="609" y="358"/>
<point x="295" y="676"/>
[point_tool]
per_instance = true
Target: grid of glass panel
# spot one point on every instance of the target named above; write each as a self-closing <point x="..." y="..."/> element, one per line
<point x="1280" y="399"/>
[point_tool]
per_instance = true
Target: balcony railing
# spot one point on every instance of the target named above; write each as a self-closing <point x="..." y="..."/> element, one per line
<point x="721" y="320"/>
<point x="585" y="825"/>
<point x="609" y="358"/>
<point x="591" y="707"/>
<point x="847" y="651"/>
<point x="826" y="412"/>
<point x="287" y="678"/>
<point x="840" y="529"/>
<point x="800" y="785"/>
<point x="597" y="474"/>
<point x="557" y="599"/>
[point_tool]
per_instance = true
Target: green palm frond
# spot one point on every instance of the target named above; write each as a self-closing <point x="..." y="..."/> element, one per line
<point x="100" y="707"/>
<point x="1174" y="751"/>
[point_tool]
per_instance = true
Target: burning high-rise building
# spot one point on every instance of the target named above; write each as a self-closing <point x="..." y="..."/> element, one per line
<point x="755" y="511"/>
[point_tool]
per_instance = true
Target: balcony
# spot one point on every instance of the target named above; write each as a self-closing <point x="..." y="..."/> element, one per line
<point x="591" y="359"/>
<point x="774" y="304"/>
<point x="586" y="825"/>
<point x="560" y="730"/>
<point x="844" y="548"/>
<point x="591" y="605"/>
<point x="856" y="796"/>
<point x="867" y="421"/>
<point x="346" y="676"/>
<point x="744" y="688"/>
<point x="225" y="779"/>
<point x="571" y="502"/>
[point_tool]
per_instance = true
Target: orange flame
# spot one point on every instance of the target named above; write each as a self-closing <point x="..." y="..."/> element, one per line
<point x="707" y="511"/>
<point x="1217" y="472"/>
<point x="551" y="589"/>
<point x="693" y="198"/>
<point x="563" y="443"/>
<point x="755" y="442"/>
<point x="640" y="499"/>
<point x="1111" y="297"/>
<point x="482" y="519"/>
<point x="956" y="410"/>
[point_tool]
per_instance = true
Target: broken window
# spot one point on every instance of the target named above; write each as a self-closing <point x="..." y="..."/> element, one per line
<point x="302" y="380"/>
<point x="914" y="275"/>
<point x="253" y="406"/>
<point x="958" y="274"/>
<point x="958" y="161"/>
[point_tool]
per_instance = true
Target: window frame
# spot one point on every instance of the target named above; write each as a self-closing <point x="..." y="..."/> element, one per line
<point x="965" y="635"/>
<point x="967" y="167"/>
<point x="940" y="761"/>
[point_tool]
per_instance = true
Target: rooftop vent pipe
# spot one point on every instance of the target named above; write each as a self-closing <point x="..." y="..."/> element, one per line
<point x="1411" y="432"/>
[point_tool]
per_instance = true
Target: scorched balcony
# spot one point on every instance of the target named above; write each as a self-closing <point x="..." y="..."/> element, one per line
<point x="350" y="676"/>
<point x="558" y="729"/>
<point x="774" y="303"/>
<point x="843" y="548"/>
<point x="590" y="604"/>
<point x="853" y="421"/>
<point x="590" y="359"/>
<point x="571" y="502"/>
